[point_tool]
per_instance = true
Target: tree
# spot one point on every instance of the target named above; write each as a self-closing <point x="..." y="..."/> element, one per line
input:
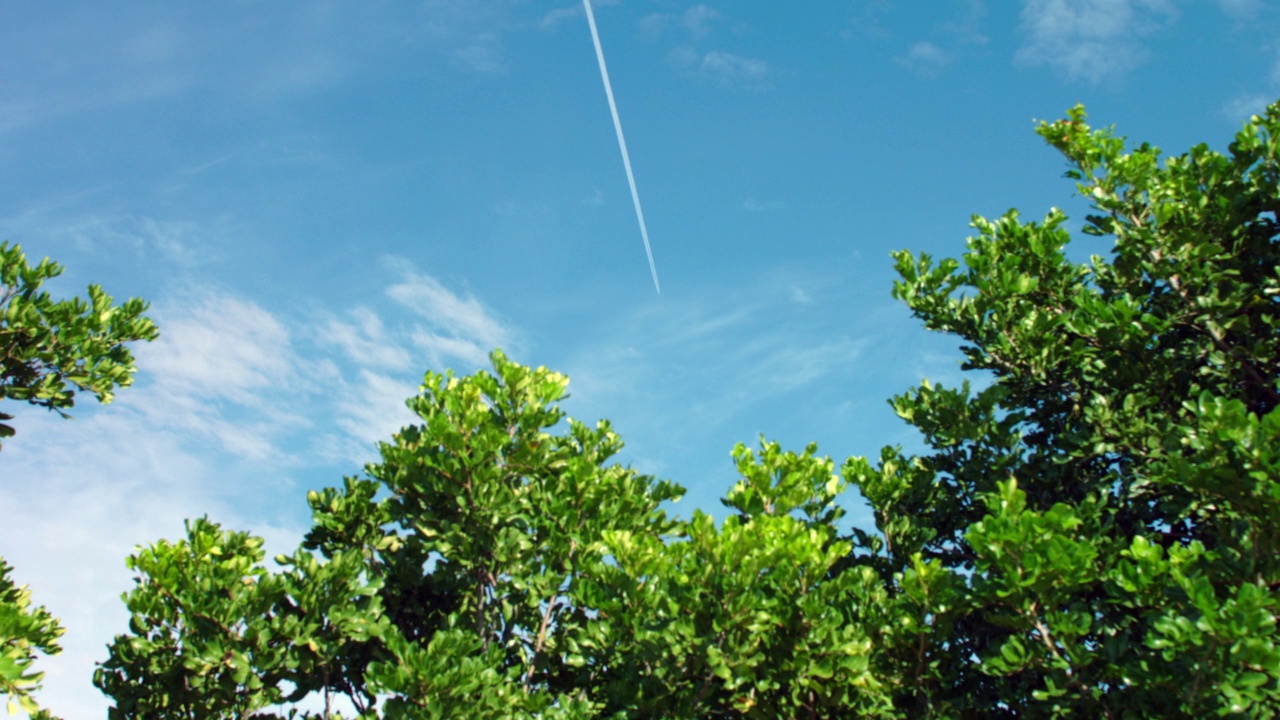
<point x="48" y="350"/>
<point x="459" y="564"/>
<point x="1092" y="532"/>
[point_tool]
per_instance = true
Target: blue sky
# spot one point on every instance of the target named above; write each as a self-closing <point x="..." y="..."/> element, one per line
<point x="322" y="200"/>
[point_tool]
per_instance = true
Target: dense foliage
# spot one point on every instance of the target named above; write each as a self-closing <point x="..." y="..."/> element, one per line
<point x="48" y="350"/>
<point x="1095" y="533"/>
<point x="1092" y="533"/>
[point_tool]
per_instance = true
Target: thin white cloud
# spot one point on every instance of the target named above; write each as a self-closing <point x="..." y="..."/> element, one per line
<point x="736" y="71"/>
<point x="220" y="347"/>
<point x="553" y="18"/>
<point x="444" y="350"/>
<point x="225" y="376"/>
<point x="699" y="20"/>
<point x="372" y="408"/>
<point x="925" y="58"/>
<point x="464" y="320"/>
<point x="1241" y="107"/>
<point x="482" y="54"/>
<point x="696" y="22"/>
<point x="967" y="29"/>
<point x="779" y="366"/>
<point x="556" y="17"/>
<point x="126" y="57"/>
<point x="153" y="45"/>
<point x="1091" y="40"/>
<point x="365" y="341"/>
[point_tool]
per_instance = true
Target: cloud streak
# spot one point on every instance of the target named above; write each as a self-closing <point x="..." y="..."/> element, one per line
<point x="462" y="319"/>
<point x="678" y="378"/>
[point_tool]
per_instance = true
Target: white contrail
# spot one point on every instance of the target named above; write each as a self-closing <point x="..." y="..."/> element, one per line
<point x="622" y="142"/>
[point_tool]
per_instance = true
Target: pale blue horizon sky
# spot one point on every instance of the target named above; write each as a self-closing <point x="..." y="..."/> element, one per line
<point x="324" y="200"/>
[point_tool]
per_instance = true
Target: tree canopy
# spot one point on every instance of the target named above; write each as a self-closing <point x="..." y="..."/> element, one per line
<point x="1092" y="531"/>
<point x="50" y="349"/>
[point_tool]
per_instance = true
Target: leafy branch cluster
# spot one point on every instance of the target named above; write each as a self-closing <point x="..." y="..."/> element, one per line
<point x="49" y="350"/>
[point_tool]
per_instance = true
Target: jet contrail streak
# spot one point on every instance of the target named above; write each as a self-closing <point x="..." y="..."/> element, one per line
<point x="622" y="142"/>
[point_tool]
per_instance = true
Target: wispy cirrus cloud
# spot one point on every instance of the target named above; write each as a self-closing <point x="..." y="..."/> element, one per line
<point x="1244" y="105"/>
<point x="958" y="28"/>
<point x="372" y="408"/>
<point x="867" y="18"/>
<point x="365" y="341"/>
<point x="1090" y="40"/>
<point x="675" y="375"/>
<point x="557" y="16"/>
<point x="218" y="346"/>
<point x="110" y="59"/>
<point x="694" y="23"/>
<point x="455" y="326"/>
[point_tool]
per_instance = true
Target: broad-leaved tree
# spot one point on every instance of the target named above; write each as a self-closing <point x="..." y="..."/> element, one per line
<point x="1094" y="531"/>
